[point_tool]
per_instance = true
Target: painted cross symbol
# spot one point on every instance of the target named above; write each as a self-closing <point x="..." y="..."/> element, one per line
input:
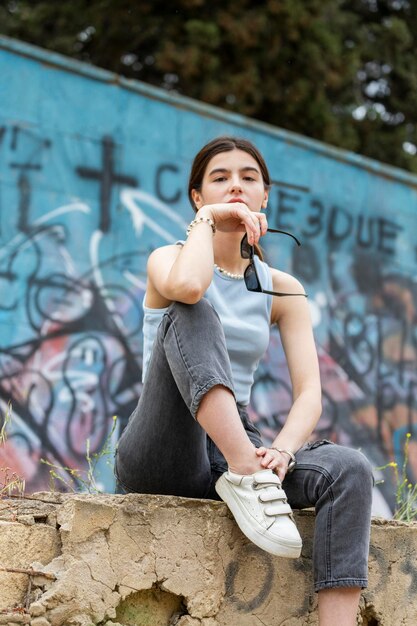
<point x="107" y="178"/>
<point x="33" y="146"/>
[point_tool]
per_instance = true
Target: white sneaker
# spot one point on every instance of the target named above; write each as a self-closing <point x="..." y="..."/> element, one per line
<point x="259" y="505"/>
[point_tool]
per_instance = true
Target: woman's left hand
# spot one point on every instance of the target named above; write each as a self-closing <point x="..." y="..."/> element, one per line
<point x="274" y="460"/>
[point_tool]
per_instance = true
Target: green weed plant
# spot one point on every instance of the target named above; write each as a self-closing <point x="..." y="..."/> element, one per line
<point x="10" y="482"/>
<point x="77" y="480"/>
<point x="73" y="479"/>
<point x="405" y="490"/>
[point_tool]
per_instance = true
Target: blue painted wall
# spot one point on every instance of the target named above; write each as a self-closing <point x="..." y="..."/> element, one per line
<point x="93" y="172"/>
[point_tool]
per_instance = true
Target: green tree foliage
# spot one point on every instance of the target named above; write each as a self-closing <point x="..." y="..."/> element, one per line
<point x="341" y="71"/>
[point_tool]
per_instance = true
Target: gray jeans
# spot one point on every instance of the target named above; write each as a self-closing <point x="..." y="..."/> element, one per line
<point x="164" y="450"/>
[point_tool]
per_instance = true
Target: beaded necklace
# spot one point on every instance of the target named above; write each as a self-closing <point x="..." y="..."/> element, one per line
<point x="228" y="274"/>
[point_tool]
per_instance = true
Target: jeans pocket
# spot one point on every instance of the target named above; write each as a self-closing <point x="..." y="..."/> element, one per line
<point x="317" y="444"/>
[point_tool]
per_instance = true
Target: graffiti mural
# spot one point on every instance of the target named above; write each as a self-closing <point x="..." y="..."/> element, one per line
<point x="93" y="177"/>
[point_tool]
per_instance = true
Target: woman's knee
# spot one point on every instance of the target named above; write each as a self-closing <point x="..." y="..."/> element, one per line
<point x="355" y="462"/>
<point x="346" y="464"/>
<point x="202" y="308"/>
<point x="199" y="318"/>
<point x="355" y="472"/>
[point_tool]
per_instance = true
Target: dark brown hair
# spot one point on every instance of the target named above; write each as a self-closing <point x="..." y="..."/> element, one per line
<point x="216" y="146"/>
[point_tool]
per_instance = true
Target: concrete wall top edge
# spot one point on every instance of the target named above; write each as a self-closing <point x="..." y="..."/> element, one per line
<point x="62" y="62"/>
<point x="175" y="502"/>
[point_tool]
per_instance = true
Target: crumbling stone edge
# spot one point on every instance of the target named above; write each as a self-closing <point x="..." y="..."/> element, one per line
<point x="97" y="553"/>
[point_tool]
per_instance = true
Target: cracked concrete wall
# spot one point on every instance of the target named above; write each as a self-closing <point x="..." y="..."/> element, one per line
<point x="160" y="561"/>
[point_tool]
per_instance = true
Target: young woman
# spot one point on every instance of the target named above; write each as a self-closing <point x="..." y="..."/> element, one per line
<point x="206" y="326"/>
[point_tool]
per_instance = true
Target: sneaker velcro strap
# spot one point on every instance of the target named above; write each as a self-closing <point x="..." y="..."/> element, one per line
<point x="278" y="508"/>
<point x="266" y="478"/>
<point x="269" y="494"/>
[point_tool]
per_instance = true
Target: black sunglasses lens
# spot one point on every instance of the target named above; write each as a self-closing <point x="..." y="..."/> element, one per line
<point x="251" y="279"/>
<point x="245" y="248"/>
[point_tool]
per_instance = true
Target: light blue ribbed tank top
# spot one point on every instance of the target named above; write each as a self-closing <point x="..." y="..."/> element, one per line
<point x="245" y="317"/>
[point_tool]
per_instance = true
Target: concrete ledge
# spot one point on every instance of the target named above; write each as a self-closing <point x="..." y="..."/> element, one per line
<point x="160" y="561"/>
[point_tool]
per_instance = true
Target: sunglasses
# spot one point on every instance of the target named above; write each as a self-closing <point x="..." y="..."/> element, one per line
<point x="251" y="277"/>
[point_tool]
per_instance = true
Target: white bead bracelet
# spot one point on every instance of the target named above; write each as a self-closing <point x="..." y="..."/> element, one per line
<point x="201" y="220"/>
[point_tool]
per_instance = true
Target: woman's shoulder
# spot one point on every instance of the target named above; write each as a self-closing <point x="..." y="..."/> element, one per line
<point x="282" y="281"/>
<point x="287" y="306"/>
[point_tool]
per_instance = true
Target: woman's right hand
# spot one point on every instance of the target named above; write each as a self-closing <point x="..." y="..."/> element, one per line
<point x="236" y="216"/>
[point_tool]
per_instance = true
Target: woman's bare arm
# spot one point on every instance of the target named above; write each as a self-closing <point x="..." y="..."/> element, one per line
<point x="184" y="273"/>
<point x="181" y="273"/>
<point x="292" y="315"/>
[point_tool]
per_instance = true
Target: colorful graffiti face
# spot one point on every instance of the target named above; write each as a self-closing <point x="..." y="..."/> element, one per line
<point x="85" y="198"/>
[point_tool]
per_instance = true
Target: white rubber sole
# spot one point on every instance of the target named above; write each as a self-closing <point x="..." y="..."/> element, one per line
<point x="290" y="549"/>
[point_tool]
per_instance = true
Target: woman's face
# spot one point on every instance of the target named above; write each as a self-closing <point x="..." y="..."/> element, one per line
<point x="233" y="175"/>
